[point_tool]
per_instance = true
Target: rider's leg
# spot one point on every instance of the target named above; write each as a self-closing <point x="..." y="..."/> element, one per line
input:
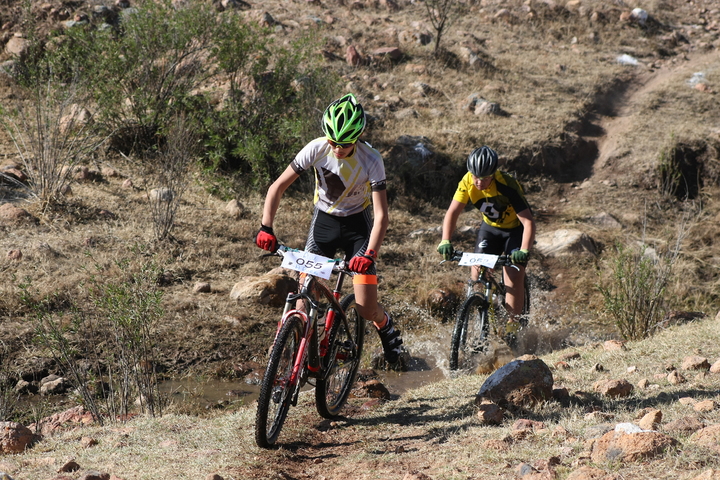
<point x="366" y="299"/>
<point x="365" y="287"/>
<point x="514" y="289"/>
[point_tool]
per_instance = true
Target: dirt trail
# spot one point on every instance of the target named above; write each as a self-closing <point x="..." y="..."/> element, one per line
<point x="615" y="112"/>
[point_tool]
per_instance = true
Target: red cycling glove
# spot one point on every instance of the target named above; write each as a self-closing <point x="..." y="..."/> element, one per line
<point x="266" y="239"/>
<point x="363" y="263"/>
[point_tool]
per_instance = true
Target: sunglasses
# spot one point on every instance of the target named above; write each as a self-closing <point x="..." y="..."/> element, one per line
<point x="340" y="145"/>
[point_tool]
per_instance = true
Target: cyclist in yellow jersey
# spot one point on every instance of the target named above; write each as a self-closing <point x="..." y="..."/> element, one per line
<point x="351" y="210"/>
<point x="508" y="224"/>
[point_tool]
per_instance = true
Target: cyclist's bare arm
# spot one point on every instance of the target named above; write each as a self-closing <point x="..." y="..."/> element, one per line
<point x="275" y="193"/>
<point x="528" y="223"/>
<point x="451" y="218"/>
<point x="380" y="220"/>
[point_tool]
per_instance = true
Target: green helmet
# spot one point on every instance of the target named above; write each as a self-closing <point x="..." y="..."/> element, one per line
<point x="344" y="120"/>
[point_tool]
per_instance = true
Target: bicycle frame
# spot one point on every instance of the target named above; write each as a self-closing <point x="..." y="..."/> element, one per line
<point x="310" y="292"/>
<point x="491" y="286"/>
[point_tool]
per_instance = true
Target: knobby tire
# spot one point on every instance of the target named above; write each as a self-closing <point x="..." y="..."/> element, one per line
<point x="276" y="392"/>
<point x="470" y="335"/>
<point x="341" y="360"/>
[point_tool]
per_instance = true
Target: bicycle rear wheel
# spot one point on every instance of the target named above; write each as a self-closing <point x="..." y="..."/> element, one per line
<point x="470" y="335"/>
<point x="276" y="391"/>
<point x="343" y="358"/>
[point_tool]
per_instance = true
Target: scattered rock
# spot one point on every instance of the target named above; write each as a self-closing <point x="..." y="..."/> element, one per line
<point x="70" y="466"/>
<point x="629" y="443"/>
<point x="565" y="242"/>
<point x="393" y="53"/>
<point x="15" y="438"/>
<point x="715" y="368"/>
<point x="560" y="394"/>
<point x="695" y="363"/>
<point x="613" y="388"/>
<point x="268" y="289"/>
<point x="650" y="420"/>
<point x="127" y="183"/>
<point x="202" y="287"/>
<point x="10" y="214"/>
<point x="17" y="46"/>
<point x="15" y="255"/>
<point x="162" y="194"/>
<point x="643" y="383"/>
<point x="522" y="382"/>
<point x="490" y="414"/>
<point x="87" y="442"/>
<point x="352" y="56"/>
<point x="53" y="387"/>
<point x="705" y="406"/>
<point x="487" y="108"/>
<point x="235" y="208"/>
<point x="566" y="357"/>
<point x="614" y="346"/>
<point x="675" y="378"/>
<point x="684" y="425"/>
<point x="78" y="117"/>
<point x="708" y="436"/>
<point x="371" y="389"/>
<point x="601" y="416"/>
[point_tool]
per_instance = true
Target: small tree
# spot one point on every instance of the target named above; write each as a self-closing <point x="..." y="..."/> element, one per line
<point x="52" y="133"/>
<point x="172" y="170"/>
<point x="441" y="14"/>
<point x="634" y="294"/>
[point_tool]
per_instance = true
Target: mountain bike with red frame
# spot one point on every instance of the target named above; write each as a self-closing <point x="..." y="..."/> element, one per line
<point x="320" y="344"/>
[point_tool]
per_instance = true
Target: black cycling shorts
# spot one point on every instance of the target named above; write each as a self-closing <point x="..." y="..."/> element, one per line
<point x="351" y="234"/>
<point x="496" y="241"/>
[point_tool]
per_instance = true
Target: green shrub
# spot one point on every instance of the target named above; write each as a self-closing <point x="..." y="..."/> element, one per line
<point x="106" y="345"/>
<point x="634" y="286"/>
<point x="163" y="61"/>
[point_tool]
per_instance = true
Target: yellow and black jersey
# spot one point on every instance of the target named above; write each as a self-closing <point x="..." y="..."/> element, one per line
<point x="499" y="203"/>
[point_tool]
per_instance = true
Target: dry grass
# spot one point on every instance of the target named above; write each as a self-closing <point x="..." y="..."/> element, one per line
<point x="432" y="429"/>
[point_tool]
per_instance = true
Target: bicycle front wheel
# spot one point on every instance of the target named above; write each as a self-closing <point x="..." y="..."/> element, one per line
<point x="276" y="391"/>
<point x="470" y="335"/>
<point x="343" y="360"/>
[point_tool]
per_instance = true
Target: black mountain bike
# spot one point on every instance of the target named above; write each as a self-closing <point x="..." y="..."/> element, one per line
<point x="307" y="351"/>
<point x="482" y="313"/>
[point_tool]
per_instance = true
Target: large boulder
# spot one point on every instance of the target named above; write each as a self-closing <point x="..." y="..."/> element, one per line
<point x="565" y="241"/>
<point x="268" y="289"/>
<point x="522" y="382"/>
<point x="628" y="442"/>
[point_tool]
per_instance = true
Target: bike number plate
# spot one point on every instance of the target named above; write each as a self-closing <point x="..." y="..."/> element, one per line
<point x="478" y="259"/>
<point x="309" y="263"/>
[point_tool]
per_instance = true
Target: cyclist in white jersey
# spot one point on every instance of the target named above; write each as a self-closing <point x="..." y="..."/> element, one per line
<point x="351" y="210"/>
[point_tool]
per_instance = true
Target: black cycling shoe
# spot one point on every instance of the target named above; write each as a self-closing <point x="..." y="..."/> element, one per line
<point x="391" y="341"/>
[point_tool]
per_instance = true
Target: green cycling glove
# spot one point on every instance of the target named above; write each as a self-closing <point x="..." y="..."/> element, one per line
<point x="445" y="249"/>
<point x="520" y="256"/>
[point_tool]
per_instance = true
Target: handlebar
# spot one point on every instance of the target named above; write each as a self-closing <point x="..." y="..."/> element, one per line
<point x="502" y="261"/>
<point x="341" y="266"/>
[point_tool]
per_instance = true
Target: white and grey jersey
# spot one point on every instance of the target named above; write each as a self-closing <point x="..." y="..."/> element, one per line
<point x="342" y="186"/>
